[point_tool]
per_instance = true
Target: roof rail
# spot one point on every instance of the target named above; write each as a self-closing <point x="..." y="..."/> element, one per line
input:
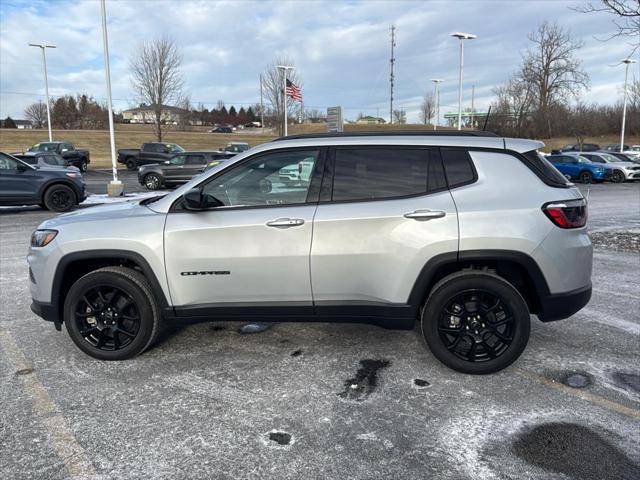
<point x="393" y="133"/>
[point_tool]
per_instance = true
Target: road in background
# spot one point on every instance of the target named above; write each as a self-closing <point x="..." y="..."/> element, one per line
<point x="326" y="400"/>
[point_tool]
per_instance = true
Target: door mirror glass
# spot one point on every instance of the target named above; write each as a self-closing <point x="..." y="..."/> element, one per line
<point x="195" y="199"/>
<point x="167" y="162"/>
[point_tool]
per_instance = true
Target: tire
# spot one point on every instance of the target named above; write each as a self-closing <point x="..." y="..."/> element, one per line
<point x="113" y="327"/>
<point x="83" y="166"/>
<point x="59" y="198"/>
<point x="131" y="163"/>
<point x="490" y="338"/>
<point x="586" y="177"/>
<point x="152" y="181"/>
<point x="618" y="176"/>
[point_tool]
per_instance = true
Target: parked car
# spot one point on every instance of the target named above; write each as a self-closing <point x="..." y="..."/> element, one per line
<point x="57" y="189"/>
<point x="77" y="158"/>
<point x="178" y="169"/>
<point x="623" y="157"/>
<point x="236" y="147"/>
<point x="575" y="147"/>
<point x="633" y="151"/>
<point x="221" y="130"/>
<point x="397" y="229"/>
<point x="621" y="170"/>
<point x="149" y="153"/>
<point x="578" y="167"/>
<point x="44" y="159"/>
<point x="613" y="147"/>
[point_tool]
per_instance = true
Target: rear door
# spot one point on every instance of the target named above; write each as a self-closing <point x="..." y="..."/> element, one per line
<point x="384" y="212"/>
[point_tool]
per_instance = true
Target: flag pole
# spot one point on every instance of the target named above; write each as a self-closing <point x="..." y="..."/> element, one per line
<point x="261" y="107"/>
<point x="284" y="91"/>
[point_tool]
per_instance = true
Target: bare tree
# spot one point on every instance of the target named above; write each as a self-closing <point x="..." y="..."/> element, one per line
<point x="514" y="104"/>
<point x="186" y="116"/>
<point x="156" y="77"/>
<point x="37" y="113"/>
<point x="273" y="87"/>
<point x="427" y="108"/>
<point x="400" y="116"/>
<point x="552" y="70"/>
<point x="626" y="21"/>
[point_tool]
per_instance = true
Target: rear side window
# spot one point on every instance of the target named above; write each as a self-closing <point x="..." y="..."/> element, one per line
<point x="195" y="160"/>
<point x="545" y="170"/>
<point x="458" y="167"/>
<point x="377" y="173"/>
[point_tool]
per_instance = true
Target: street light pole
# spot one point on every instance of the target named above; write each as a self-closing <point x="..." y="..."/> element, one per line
<point x="627" y="62"/>
<point x="42" y="47"/>
<point x="115" y="187"/>
<point x="284" y="92"/>
<point x="462" y="37"/>
<point x="437" y="81"/>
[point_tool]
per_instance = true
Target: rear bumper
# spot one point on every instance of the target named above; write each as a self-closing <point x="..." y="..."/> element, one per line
<point x="562" y="305"/>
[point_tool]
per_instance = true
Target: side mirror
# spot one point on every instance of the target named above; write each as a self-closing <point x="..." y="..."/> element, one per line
<point x="21" y="167"/>
<point x="167" y="162"/>
<point x="192" y="199"/>
<point x="64" y="150"/>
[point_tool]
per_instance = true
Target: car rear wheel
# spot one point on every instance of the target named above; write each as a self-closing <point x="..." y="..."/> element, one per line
<point x="586" y="177"/>
<point x="59" y="198"/>
<point x="152" y="181"/>
<point x="83" y="166"/>
<point x="618" y="176"/>
<point x="131" y="164"/>
<point x="111" y="313"/>
<point x="476" y="322"/>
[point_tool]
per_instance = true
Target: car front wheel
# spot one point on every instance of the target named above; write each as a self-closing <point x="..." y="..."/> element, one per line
<point x="586" y="177"/>
<point x="59" y="198"/>
<point x="83" y="166"/>
<point x="476" y="322"/>
<point x="618" y="176"/>
<point x="152" y="181"/>
<point x="111" y="313"/>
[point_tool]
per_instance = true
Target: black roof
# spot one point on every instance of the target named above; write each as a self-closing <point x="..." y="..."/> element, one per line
<point x="393" y="133"/>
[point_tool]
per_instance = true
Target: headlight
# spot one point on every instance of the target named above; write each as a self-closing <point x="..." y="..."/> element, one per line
<point x="42" y="238"/>
<point x="73" y="174"/>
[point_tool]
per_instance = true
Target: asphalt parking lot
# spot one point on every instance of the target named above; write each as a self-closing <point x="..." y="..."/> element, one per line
<point x="329" y="401"/>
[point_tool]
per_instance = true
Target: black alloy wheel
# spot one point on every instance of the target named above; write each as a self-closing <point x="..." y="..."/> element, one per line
<point x="59" y="198"/>
<point x="618" y="176"/>
<point x="586" y="177"/>
<point x="107" y="317"/>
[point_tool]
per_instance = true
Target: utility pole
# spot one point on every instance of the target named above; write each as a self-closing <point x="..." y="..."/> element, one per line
<point x="42" y="47"/>
<point x="261" y="107"/>
<point x="473" y="94"/>
<point x="284" y="91"/>
<point x="437" y="81"/>
<point x="393" y="60"/>
<point x="115" y="187"/>
<point x="627" y="62"/>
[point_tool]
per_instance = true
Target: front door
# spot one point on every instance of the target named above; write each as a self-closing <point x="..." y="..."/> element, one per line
<point x="17" y="181"/>
<point x="254" y="249"/>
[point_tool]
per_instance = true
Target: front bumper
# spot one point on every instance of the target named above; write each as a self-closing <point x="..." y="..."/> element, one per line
<point x="47" y="312"/>
<point x="632" y="174"/>
<point x="563" y="305"/>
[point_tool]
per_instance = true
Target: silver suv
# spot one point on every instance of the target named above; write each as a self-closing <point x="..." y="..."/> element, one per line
<point x="466" y="233"/>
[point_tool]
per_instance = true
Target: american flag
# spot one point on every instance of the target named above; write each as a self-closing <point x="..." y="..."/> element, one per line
<point x="293" y="91"/>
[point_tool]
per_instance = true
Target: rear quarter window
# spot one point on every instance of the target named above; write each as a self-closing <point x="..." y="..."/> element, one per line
<point x="544" y="169"/>
<point x="458" y="167"/>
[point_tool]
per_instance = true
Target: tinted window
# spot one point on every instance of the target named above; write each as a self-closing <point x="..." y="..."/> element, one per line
<point x="370" y="173"/>
<point x="195" y="160"/>
<point x="154" y="148"/>
<point x="458" y="167"/>
<point x="29" y="159"/>
<point x="278" y="178"/>
<point x="544" y="169"/>
<point x="7" y="163"/>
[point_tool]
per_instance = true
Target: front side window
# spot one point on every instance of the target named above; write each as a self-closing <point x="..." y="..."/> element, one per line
<point x="178" y="160"/>
<point x="7" y="163"/>
<point x="388" y="172"/>
<point x="277" y="178"/>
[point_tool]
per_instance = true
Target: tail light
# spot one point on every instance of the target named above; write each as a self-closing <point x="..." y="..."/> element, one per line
<point x="567" y="213"/>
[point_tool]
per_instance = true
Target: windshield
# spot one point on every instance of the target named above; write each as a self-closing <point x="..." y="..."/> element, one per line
<point x="609" y="158"/>
<point x="173" y="148"/>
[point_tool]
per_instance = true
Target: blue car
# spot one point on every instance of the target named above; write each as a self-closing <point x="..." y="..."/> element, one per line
<point x="577" y="167"/>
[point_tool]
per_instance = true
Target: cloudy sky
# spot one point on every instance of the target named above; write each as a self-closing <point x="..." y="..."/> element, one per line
<point x="341" y="49"/>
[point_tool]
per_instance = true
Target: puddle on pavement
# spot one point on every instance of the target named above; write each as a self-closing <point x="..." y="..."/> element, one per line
<point x="254" y="328"/>
<point x="577" y="380"/>
<point x="281" y="438"/>
<point x="297" y="353"/>
<point x="365" y="381"/>
<point x="420" y="383"/>
<point x="24" y="371"/>
<point x="218" y="328"/>
<point x="628" y="381"/>
<point x="574" y="450"/>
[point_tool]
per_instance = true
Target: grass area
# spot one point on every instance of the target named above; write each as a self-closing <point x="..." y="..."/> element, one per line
<point x="132" y="136"/>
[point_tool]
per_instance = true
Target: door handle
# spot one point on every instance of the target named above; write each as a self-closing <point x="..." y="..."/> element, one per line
<point x="425" y="214"/>
<point x="285" y="222"/>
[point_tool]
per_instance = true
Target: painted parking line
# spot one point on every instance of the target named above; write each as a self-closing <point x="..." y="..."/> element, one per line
<point x="64" y="442"/>
<point x="584" y="395"/>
